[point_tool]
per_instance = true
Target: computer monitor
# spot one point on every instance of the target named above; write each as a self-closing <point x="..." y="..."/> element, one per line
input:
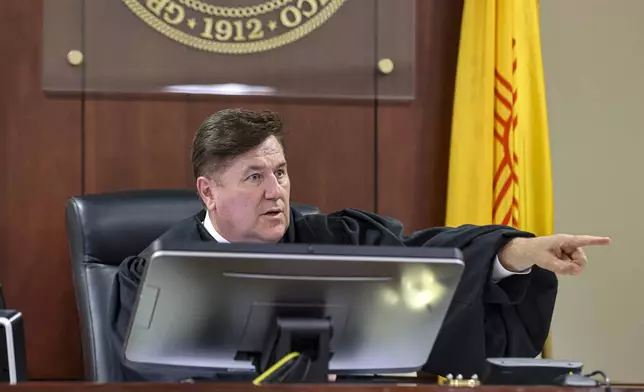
<point x="205" y="308"/>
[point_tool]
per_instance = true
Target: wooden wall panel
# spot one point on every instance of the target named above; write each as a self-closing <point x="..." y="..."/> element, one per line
<point x="40" y="168"/>
<point x="331" y="155"/>
<point x="136" y="144"/>
<point x="413" y="140"/>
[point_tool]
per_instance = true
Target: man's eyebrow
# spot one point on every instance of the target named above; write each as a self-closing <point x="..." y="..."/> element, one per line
<point x="254" y="168"/>
<point x="262" y="167"/>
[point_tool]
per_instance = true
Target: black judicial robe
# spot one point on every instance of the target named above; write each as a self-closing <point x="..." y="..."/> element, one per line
<point x="508" y="318"/>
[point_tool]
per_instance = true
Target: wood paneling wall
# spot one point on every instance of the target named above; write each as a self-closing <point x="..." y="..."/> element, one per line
<point x="40" y="145"/>
<point x="391" y="158"/>
<point x="146" y="144"/>
<point x="413" y="140"/>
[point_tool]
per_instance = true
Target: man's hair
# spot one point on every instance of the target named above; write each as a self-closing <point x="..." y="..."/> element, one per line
<point x="229" y="133"/>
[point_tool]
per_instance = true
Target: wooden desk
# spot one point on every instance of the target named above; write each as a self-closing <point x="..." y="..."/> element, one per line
<point x="219" y="387"/>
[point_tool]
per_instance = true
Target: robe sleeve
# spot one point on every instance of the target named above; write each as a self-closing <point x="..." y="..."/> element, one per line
<point x="124" y="291"/>
<point x="486" y="319"/>
<point x="124" y="288"/>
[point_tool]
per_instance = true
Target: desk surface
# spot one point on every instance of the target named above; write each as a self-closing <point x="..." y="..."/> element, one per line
<point x="220" y="387"/>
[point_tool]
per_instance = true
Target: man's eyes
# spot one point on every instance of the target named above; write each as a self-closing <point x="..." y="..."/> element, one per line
<point x="257" y="177"/>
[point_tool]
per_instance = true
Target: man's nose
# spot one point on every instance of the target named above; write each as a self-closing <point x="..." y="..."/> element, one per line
<point x="273" y="189"/>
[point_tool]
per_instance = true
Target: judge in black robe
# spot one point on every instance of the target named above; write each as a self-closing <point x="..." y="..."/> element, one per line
<point x="510" y="317"/>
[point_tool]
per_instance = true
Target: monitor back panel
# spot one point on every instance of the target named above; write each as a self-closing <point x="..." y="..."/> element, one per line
<point x="205" y="310"/>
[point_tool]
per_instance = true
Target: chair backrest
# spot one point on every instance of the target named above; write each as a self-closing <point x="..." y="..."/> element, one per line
<point x="104" y="229"/>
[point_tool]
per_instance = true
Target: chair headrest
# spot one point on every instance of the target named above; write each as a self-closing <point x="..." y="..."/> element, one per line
<point x="106" y="228"/>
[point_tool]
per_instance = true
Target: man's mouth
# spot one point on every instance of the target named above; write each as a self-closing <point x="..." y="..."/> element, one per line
<point x="275" y="212"/>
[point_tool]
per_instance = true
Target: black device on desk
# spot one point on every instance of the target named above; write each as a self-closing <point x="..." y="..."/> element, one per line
<point x="13" y="363"/>
<point x="206" y="308"/>
<point x="530" y="371"/>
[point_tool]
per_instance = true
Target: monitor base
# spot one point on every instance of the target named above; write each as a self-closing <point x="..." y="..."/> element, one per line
<point x="308" y="337"/>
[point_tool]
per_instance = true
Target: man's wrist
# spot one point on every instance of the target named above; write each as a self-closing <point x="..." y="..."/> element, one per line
<point x="512" y="255"/>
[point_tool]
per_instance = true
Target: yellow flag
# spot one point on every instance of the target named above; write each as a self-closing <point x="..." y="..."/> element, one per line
<point x="499" y="170"/>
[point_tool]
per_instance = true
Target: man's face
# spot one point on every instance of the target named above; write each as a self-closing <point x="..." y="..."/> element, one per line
<point x="248" y="199"/>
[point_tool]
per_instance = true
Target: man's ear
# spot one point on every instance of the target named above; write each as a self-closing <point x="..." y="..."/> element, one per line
<point x="206" y="190"/>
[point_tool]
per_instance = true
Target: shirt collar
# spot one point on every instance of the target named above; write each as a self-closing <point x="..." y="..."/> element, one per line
<point x="211" y="230"/>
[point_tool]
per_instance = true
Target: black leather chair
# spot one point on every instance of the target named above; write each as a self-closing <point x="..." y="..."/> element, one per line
<point x="104" y="229"/>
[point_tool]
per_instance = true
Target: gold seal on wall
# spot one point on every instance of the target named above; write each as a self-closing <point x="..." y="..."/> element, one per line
<point x="234" y="30"/>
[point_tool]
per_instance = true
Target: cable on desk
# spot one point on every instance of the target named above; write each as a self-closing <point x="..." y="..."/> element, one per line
<point x="308" y="367"/>
<point x="606" y="379"/>
<point x="277" y="366"/>
<point x="291" y="369"/>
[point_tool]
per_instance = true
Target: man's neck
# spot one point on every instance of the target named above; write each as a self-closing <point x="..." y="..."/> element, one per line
<point x="207" y="222"/>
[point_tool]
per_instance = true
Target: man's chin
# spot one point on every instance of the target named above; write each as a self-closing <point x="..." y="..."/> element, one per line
<point x="273" y="234"/>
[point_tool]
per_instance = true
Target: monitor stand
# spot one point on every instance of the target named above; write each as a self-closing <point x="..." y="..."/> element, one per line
<point x="310" y="337"/>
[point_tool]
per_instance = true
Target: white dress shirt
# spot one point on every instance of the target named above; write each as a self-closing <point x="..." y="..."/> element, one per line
<point x="211" y="229"/>
<point x="499" y="272"/>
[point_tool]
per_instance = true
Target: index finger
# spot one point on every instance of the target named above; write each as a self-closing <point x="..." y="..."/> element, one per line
<point x="578" y="241"/>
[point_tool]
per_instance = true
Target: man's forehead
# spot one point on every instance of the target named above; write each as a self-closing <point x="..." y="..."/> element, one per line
<point x="269" y="153"/>
<point x="265" y="151"/>
<point x="271" y="160"/>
